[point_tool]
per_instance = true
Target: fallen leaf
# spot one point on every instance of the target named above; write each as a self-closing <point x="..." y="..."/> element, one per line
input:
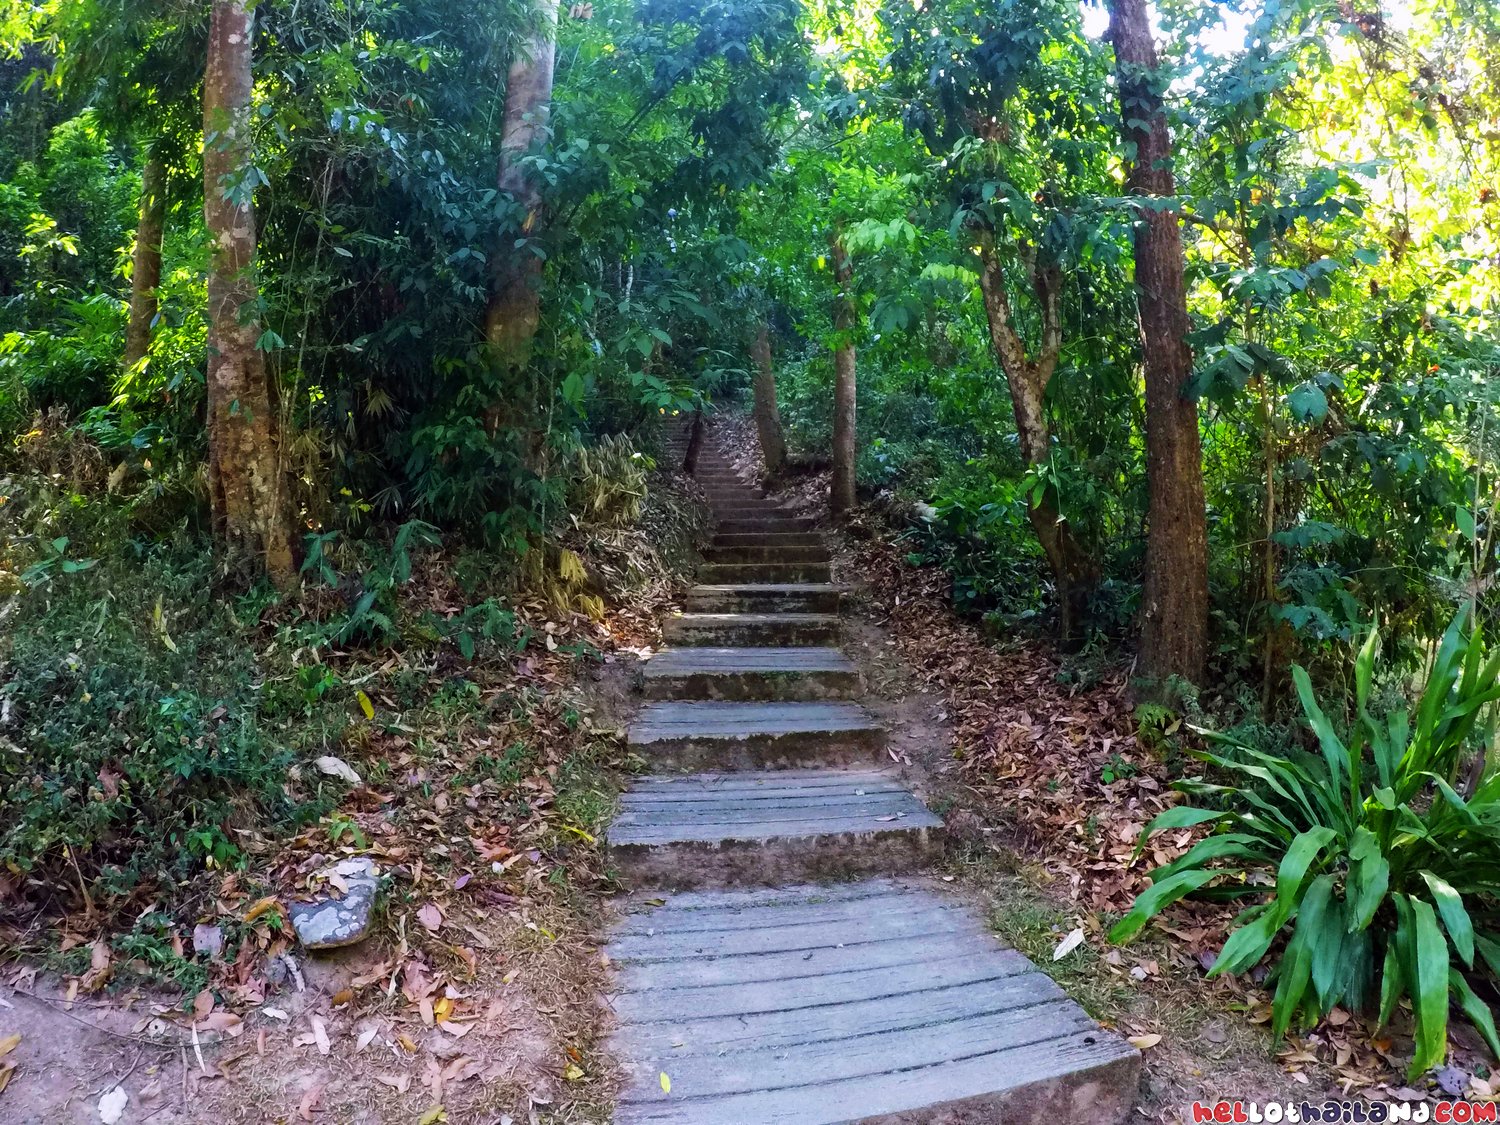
<point x="666" y="1083"/>
<point x="112" y="1105"/>
<point x="320" y="1033"/>
<point x="337" y="767"/>
<point x="341" y="997"/>
<point x="1068" y="944"/>
<point x="398" y="1082"/>
<point x="9" y="1044"/>
<point x="309" y="1103"/>
<point x="1144" y="1042"/>
<point x="5" y="1072"/>
<point x="432" y="1116"/>
<point x="364" y="704"/>
<point x="366" y="1037"/>
<point x="573" y="1073"/>
<point x="430" y="916"/>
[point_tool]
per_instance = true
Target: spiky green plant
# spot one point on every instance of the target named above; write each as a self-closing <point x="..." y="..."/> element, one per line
<point x="1387" y="861"/>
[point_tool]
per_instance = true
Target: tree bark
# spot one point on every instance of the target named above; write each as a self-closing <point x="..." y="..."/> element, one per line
<point x="1074" y="573"/>
<point x="515" y="302"/>
<point x="246" y="484"/>
<point x="1174" y="600"/>
<point x="767" y="415"/>
<point x="145" y="269"/>
<point x="841" y="496"/>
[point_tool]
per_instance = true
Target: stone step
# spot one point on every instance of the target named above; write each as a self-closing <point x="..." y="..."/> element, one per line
<point x="769" y="539"/>
<point x="771" y="826"/>
<point x="765" y="597"/>
<point x="733" y="497"/>
<point x="730" y="629"/>
<point x="769" y="554"/>
<point x="755" y="736"/>
<point x="753" y="510"/>
<point x="784" y="674"/>
<point x="884" y="1000"/>
<point x="772" y="524"/>
<point x="737" y="574"/>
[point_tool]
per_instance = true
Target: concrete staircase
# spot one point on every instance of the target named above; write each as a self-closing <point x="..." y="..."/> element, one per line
<point x="751" y="995"/>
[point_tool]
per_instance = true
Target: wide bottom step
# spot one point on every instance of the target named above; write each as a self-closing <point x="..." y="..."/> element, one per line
<point x="882" y="1001"/>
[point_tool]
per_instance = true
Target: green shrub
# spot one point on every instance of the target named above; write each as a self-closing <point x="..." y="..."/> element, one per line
<point x="1386" y="850"/>
<point x="133" y="740"/>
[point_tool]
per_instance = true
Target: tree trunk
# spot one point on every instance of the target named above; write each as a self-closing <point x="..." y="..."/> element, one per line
<point x="1074" y="573"/>
<point x="767" y="415"/>
<point x="145" y="269"/>
<point x="515" y="303"/>
<point x="841" y="495"/>
<point x="694" y="444"/>
<point x="1174" y="600"/>
<point x="247" y="493"/>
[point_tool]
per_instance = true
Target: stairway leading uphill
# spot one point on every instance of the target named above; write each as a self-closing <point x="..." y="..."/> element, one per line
<point x="802" y="972"/>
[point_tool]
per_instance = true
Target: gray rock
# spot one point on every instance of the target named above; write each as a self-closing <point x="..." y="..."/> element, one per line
<point x="329" y="922"/>
<point x="208" y="940"/>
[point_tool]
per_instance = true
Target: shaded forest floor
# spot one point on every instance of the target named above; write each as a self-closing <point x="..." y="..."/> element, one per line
<point x="479" y="995"/>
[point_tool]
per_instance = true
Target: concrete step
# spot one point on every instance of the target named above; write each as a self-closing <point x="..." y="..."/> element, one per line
<point x="769" y="539"/>
<point x="735" y="574"/>
<point x="783" y="674"/>
<point x="755" y="736"/>
<point x="772" y="826"/>
<point x="884" y="1000"/>
<point x="753" y="510"/>
<point x="814" y="554"/>
<point x="731" y="629"/>
<point x="768" y="524"/>
<point x="765" y="597"/>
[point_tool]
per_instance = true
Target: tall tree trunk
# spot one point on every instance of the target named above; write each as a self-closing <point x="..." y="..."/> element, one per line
<point x="515" y="303"/>
<point x="841" y="495"/>
<point x="1074" y="573"/>
<point x="694" y="444"/>
<point x="1174" y="601"/>
<point x="767" y="415"/>
<point x="145" y="269"/>
<point x="246" y="483"/>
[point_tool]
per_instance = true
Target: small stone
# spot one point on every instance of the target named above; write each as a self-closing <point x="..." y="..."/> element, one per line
<point x="1452" y="1081"/>
<point x="328" y="922"/>
<point x="208" y="940"/>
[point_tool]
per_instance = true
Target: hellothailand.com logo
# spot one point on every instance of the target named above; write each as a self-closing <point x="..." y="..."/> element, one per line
<point x="1295" y="1113"/>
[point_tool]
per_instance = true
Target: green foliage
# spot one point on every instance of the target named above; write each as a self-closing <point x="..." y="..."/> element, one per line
<point x="1385" y="849"/>
<point x="133" y="736"/>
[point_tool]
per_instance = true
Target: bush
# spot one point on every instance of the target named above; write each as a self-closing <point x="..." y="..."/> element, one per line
<point x="132" y="741"/>
<point x="1386" y="851"/>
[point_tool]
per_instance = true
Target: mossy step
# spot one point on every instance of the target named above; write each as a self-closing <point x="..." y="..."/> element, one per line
<point x="712" y="735"/>
<point x="728" y="629"/>
<point x="769" y="826"/>
<point x="765" y="597"/>
<point x="760" y="673"/>
<point x="747" y="573"/>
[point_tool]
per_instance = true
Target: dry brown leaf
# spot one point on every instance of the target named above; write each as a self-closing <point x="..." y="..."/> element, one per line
<point x="1144" y="1042"/>
<point x="398" y="1082"/>
<point x="308" y="1106"/>
<point x="320" y="1034"/>
<point x="430" y="916"/>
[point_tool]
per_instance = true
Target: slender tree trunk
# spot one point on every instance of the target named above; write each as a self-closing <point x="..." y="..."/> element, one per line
<point x="515" y="302"/>
<point x="1174" y="601"/>
<point x="246" y="483"/>
<point x="145" y="269"/>
<point x="767" y="415"/>
<point x="841" y="495"/>
<point x="694" y="444"/>
<point x="1074" y="573"/>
